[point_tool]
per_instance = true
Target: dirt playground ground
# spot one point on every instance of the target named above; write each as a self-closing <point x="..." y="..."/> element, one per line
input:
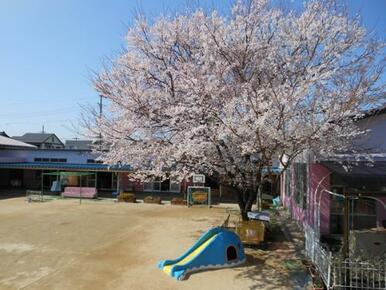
<point x="105" y="245"/>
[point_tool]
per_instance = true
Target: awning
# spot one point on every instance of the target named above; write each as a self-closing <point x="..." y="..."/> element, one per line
<point x="65" y="166"/>
<point x="357" y="169"/>
<point x="69" y="173"/>
<point x="271" y="170"/>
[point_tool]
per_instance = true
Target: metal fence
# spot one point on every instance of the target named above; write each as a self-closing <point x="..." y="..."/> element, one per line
<point x="358" y="274"/>
<point x="341" y="274"/>
<point x="318" y="255"/>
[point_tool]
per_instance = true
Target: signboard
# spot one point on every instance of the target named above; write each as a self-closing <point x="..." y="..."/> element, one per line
<point x="199" y="178"/>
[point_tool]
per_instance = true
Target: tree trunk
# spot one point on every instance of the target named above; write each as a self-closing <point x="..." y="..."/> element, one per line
<point x="246" y="201"/>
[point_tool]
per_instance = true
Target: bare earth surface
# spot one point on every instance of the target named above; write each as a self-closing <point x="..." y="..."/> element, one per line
<point x="105" y="245"/>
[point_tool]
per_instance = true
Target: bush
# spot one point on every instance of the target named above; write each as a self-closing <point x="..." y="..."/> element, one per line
<point x="152" y="199"/>
<point x="127" y="197"/>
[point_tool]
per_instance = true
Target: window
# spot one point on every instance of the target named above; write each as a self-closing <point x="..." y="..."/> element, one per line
<point x="288" y="181"/>
<point x="152" y="186"/>
<point x="362" y="214"/>
<point x="57" y="160"/>
<point x="301" y="181"/>
<point x="93" y="161"/>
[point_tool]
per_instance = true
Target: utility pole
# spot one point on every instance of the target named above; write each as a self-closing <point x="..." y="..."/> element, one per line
<point x="100" y="106"/>
<point x="100" y="121"/>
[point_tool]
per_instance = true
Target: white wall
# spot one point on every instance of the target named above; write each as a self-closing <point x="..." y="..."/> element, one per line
<point x="28" y="155"/>
<point x="375" y="140"/>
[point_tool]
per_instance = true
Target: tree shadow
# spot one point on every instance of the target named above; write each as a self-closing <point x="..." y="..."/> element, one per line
<point x="250" y="260"/>
<point x="277" y="262"/>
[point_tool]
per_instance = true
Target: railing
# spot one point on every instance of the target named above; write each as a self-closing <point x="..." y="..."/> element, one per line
<point x="359" y="274"/>
<point x="341" y="274"/>
<point x="319" y="255"/>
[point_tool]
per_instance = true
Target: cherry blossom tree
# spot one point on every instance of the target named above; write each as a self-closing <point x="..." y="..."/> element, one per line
<point x="224" y="95"/>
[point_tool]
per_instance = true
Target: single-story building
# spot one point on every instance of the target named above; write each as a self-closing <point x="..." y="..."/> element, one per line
<point x="312" y="189"/>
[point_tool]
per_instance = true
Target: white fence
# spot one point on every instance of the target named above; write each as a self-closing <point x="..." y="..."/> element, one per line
<point x="344" y="274"/>
<point x="359" y="274"/>
<point x="319" y="255"/>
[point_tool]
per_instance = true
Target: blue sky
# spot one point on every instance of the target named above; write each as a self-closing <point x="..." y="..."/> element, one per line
<point x="48" y="49"/>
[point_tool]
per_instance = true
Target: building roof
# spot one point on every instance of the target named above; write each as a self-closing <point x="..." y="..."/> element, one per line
<point x="2" y="133"/>
<point x="373" y="112"/>
<point x="6" y="142"/>
<point x="357" y="169"/>
<point x="66" y="166"/>
<point x="34" y="137"/>
<point x="78" y="144"/>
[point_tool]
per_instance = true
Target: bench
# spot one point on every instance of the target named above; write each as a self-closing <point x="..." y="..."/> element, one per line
<point x="33" y="195"/>
<point x="85" y="192"/>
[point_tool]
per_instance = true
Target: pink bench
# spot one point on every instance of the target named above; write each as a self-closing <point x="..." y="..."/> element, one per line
<point x="87" y="192"/>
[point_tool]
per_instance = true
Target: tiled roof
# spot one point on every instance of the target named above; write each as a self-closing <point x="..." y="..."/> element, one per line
<point x="78" y="144"/>
<point x="34" y="137"/>
<point x="6" y="142"/>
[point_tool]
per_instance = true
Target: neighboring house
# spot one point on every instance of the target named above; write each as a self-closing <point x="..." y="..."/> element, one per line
<point x="9" y="143"/>
<point x="2" y="133"/>
<point x="41" y="140"/>
<point x="79" y="144"/>
<point x="305" y="183"/>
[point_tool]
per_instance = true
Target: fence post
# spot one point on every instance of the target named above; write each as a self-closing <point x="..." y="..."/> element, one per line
<point x="329" y="270"/>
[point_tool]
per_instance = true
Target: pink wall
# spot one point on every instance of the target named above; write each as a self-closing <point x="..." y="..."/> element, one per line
<point x="306" y="216"/>
<point x="289" y="202"/>
<point x="381" y="212"/>
<point x="125" y="183"/>
<point x="319" y="175"/>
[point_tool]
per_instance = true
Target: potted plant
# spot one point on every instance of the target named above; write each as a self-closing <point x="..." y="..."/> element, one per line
<point x="318" y="282"/>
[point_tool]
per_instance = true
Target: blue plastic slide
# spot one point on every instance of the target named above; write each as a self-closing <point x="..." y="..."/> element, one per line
<point x="215" y="249"/>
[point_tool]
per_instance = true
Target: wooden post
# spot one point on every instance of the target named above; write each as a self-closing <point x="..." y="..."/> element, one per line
<point x="80" y="189"/>
<point x="117" y="183"/>
<point x="42" y="182"/>
<point x="346" y="227"/>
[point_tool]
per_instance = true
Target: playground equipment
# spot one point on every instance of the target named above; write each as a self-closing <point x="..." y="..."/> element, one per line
<point x="81" y="192"/>
<point x="198" y="195"/>
<point x="215" y="249"/>
<point x="251" y="232"/>
<point x="69" y="191"/>
<point x="33" y="195"/>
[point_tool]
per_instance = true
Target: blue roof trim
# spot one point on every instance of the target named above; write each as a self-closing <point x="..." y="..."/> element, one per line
<point x="65" y="166"/>
<point x="272" y="169"/>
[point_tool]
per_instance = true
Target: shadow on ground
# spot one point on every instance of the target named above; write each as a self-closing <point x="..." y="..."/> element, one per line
<point x="276" y="263"/>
